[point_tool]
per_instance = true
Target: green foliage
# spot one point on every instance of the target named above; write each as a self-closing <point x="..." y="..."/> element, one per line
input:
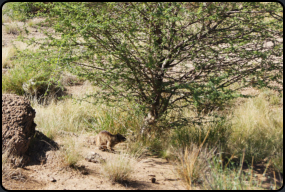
<point x="12" y="82"/>
<point x="31" y="75"/>
<point x="158" y="54"/>
<point x="25" y="10"/>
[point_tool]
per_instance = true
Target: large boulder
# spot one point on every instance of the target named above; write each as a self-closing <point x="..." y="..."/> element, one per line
<point x="18" y="127"/>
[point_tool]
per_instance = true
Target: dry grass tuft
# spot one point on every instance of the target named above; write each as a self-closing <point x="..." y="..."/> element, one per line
<point x="63" y="116"/>
<point x="9" y="52"/>
<point x="118" y="168"/>
<point x="194" y="161"/>
<point x="12" y="28"/>
<point x="6" y="19"/>
<point x="69" y="79"/>
<point x="70" y="152"/>
<point x="258" y="128"/>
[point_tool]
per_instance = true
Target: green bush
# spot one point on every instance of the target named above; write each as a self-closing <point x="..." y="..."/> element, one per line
<point x="32" y="76"/>
<point x="12" y="82"/>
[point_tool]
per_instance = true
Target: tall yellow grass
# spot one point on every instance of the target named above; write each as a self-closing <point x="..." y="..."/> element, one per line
<point x="258" y="128"/>
<point x="193" y="163"/>
<point x="65" y="115"/>
<point x="9" y="51"/>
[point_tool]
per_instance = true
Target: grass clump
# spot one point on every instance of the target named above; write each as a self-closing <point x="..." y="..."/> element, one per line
<point x="63" y="115"/>
<point x="232" y="177"/>
<point x="257" y="128"/>
<point x="192" y="163"/>
<point x="70" y="152"/>
<point x="217" y="130"/>
<point x="228" y="178"/>
<point x="9" y="53"/>
<point x="119" y="168"/>
<point x="85" y="116"/>
<point x="12" y="82"/>
<point x="12" y="28"/>
<point x="6" y="19"/>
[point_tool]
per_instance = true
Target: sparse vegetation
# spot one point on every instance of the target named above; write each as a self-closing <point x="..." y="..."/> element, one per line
<point x="208" y="132"/>
<point x="9" y="54"/>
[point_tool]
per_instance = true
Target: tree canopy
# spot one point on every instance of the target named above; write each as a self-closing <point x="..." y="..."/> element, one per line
<point x="167" y="55"/>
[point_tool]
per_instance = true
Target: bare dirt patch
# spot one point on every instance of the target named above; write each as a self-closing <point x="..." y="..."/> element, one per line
<point x="87" y="175"/>
<point x="51" y="174"/>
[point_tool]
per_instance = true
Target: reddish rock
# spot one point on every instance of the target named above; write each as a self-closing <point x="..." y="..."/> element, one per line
<point x="18" y="126"/>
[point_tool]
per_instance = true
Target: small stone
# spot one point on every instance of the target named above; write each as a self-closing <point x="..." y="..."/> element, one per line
<point x="95" y="158"/>
<point x="84" y="172"/>
<point x="153" y="180"/>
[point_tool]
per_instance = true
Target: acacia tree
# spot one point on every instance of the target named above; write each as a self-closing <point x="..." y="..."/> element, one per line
<point x="160" y="54"/>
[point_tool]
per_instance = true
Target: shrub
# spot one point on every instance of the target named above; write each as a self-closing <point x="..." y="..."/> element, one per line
<point x="32" y="76"/>
<point x="23" y="80"/>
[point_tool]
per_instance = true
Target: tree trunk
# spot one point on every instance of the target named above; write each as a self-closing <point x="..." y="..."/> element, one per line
<point x="149" y="121"/>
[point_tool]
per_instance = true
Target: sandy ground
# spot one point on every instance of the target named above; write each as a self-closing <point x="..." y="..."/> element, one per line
<point x="87" y="175"/>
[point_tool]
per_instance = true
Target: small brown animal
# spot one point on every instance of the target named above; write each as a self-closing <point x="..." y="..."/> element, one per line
<point x="105" y="139"/>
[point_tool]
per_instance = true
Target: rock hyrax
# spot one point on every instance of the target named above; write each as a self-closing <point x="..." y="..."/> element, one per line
<point x="105" y="139"/>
